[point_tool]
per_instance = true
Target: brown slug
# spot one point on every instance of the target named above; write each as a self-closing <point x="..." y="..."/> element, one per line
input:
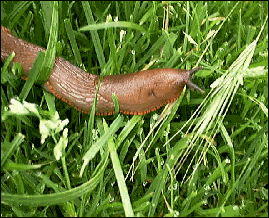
<point x="138" y="93"/>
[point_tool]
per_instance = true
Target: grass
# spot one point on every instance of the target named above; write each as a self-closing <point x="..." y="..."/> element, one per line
<point x="204" y="155"/>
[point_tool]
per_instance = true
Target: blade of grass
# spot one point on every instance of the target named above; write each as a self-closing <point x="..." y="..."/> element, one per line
<point x="94" y="34"/>
<point x="125" y="198"/>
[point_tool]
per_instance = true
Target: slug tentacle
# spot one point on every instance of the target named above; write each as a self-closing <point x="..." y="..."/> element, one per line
<point x="138" y="93"/>
<point x="191" y="72"/>
<point x="192" y="85"/>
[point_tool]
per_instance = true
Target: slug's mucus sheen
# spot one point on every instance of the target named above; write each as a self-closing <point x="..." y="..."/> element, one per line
<point x="138" y="93"/>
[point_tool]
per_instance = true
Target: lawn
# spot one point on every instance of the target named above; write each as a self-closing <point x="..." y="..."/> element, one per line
<point x="203" y="155"/>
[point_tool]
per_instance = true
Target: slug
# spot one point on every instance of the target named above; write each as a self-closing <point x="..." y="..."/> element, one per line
<point x="138" y="93"/>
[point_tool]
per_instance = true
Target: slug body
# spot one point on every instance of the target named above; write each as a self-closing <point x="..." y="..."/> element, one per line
<point x="138" y="93"/>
